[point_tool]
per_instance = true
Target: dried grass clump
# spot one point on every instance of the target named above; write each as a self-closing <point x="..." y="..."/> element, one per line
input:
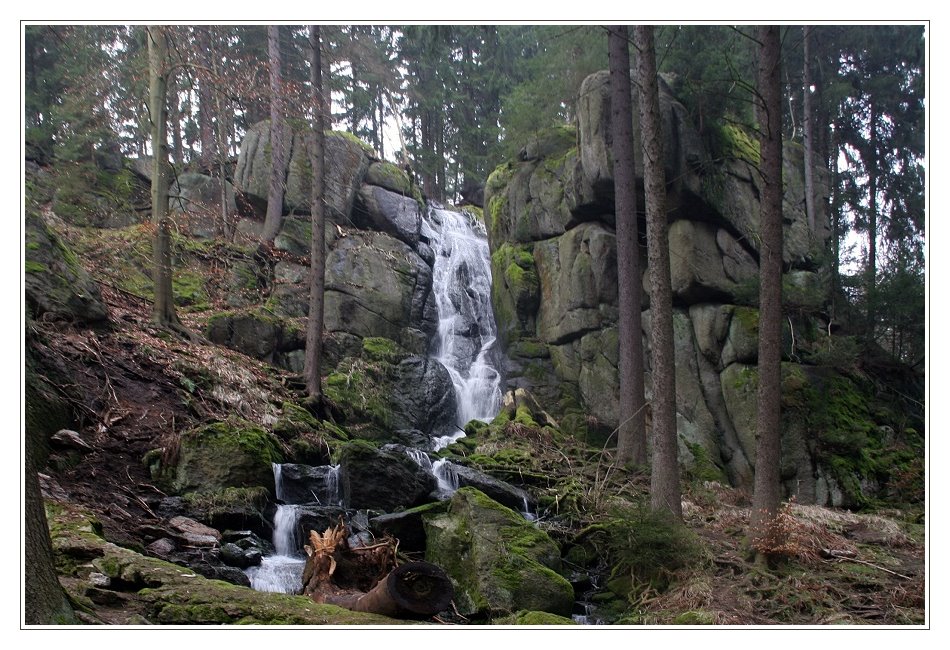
<point x="805" y="540"/>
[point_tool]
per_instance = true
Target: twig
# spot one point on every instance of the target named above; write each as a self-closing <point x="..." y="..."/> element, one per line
<point x="854" y="559"/>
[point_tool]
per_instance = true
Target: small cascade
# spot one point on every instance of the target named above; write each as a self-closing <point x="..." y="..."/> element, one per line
<point x="333" y="495"/>
<point x="282" y="572"/>
<point x="444" y="472"/>
<point x="526" y="511"/>
<point x="461" y="285"/>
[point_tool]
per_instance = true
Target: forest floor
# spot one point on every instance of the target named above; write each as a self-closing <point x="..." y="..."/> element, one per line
<point x="136" y="386"/>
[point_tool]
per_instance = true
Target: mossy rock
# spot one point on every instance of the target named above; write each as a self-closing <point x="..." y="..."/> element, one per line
<point x="388" y="176"/>
<point x="499" y="562"/>
<point x="233" y="453"/>
<point x="233" y="508"/>
<point x="55" y="283"/>
<point x="533" y="618"/>
<point x="158" y="592"/>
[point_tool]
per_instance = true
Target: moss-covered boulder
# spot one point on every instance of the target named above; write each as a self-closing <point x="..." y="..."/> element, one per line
<point x="541" y="196"/>
<point x="524" y="617"/>
<point x="233" y="453"/>
<point x="257" y="332"/>
<point x="707" y="263"/>
<point x="578" y="276"/>
<point x="388" y="176"/>
<point x="387" y="389"/>
<point x="499" y="562"/>
<point x="516" y="293"/>
<point x="55" y="284"/>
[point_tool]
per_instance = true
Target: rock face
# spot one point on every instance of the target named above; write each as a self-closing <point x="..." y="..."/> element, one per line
<point x="55" y="283"/>
<point x="551" y="230"/>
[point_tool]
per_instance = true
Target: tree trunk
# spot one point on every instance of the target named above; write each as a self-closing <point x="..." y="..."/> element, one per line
<point x="314" y="352"/>
<point x="808" y="135"/>
<point x="664" y="479"/>
<point x="631" y="435"/>
<point x="871" y="263"/>
<point x="176" y="115"/>
<point x="766" y="497"/>
<point x="163" y="308"/>
<point x="226" y="227"/>
<point x="275" y="194"/>
<point x="45" y="602"/>
<point x="205" y="102"/>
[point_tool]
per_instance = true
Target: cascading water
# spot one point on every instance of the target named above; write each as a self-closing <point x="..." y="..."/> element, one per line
<point x="282" y="572"/>
<point x="461" y="285"/>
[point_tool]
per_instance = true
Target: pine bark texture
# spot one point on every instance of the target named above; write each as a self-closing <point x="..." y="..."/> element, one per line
<point x="767" y="492"/>
<point x="664" y="478"/>
<point x="163" y="308"/>
<point x="631" y="435"/>
<point x="275" y="194"/>
<point x="314" y="351"/>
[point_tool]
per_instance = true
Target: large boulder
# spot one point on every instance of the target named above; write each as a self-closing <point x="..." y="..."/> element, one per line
<point x="499" y="563"/>
<point x="683" y="148"/>
<point x="377" y="285"/>
<point x="220" y="455"/>
<point x="374" y="479"/>
<point x="55" y="284"/>
<point x="348" y="160"/>
<point x="706" y="263"/>
<point x="197" y="197"/>
<point x="386" y="389"/>
<point x="256" y="332"/>
<point x="578" y="277"/>
<point x="301" y="484"/>
<point x="385" y="211"/>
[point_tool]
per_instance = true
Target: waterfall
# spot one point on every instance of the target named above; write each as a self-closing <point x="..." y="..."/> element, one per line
<point x="283" y="572"/>
<point x="461" y="285"/>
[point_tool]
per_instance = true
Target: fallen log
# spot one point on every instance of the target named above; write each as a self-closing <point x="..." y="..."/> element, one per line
<point x="413" y="590"/>
<point x="366" y="579"/>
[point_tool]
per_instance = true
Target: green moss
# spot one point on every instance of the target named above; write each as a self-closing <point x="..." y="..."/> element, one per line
<point x="734" y="142"/>
<point x="694" y="617"/>
<point x="381" y="349"/>
<point x="748" y="317"/>
<point x="189" y="290"/>
<point x="533" y="618"/>
<point x="293" y="421"/>
<point x="35" y="267"/>
<point x="703" y="468"/>
<point x="345" y="135"/>
<point x="228" y="500"/>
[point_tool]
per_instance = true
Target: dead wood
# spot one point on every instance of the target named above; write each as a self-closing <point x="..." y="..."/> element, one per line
<point x="366" y="579"/>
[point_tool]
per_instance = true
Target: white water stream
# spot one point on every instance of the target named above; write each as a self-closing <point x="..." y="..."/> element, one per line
<point x="461" y="286"/>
